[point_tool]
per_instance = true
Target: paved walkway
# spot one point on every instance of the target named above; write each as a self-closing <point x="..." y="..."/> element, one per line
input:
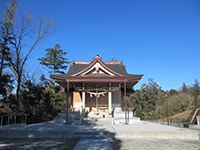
<point x="93" y="144"/>
<point x="97" y="125"/>
<point x="104" y="128"/>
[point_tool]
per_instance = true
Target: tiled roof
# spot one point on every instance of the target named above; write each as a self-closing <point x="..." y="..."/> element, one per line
<point x="116" y="67"/>
<point x="78" y="67"/>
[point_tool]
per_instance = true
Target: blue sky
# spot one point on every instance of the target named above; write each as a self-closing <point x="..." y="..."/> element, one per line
<point x="157" y="38"/>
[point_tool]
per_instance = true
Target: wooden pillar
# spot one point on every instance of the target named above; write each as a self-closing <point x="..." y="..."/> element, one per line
<point x="97" y="100"/>
<point x="109" y="101"/>
<point x="125" y="101"/>
<point x="67" y="101"/>
<point x="83" y="99"/>
<point x="120" y="96"/>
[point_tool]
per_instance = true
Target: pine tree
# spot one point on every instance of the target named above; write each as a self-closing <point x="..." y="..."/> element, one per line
<point x="184" y="88"/>
<point x="55" y="60"/>
<point x="20" y="28"/>
<point x="196" y="91"/>
<point x="6" y="26"/>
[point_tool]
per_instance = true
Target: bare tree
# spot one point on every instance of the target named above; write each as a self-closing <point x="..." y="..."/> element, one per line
<point x="26" y="27"/>
<point x="113" y="59"/>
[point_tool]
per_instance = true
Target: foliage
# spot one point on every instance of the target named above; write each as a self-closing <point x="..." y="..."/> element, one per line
<point x="7" y="100"/>
<point x="179" y="104"/>
<point x="6" y="25"/>
<point x="196" y="92"/>
<point x="6" y="85"/>
<point x="41" y="103"/>
<point x="173" y="92"/>
<point x="184" y="88"/>
<point x="36" y="99"/>
<point x="149" y="101"/>
<point x="20" y="28"/>
<point x="55" y="59"/>
<point x="145" y="100"/>
<point x="8" y="105"/>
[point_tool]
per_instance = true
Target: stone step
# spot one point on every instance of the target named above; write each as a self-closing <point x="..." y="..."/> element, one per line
<point x="94" y="133"/>
<point x="34" y="134"/>
<point x="95" y="144"/>
<point x="92" y="136"/>
<point x="95" y="121"/>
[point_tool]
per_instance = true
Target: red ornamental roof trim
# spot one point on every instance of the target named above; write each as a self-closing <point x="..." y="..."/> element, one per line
<point x="98" y="79"/>
<point x="92" y="63"/>
<point x="105" y="62"/>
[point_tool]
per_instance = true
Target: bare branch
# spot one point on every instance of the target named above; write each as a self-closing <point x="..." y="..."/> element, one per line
<point x="20" y="31"/>
<point x="44" y="29"/>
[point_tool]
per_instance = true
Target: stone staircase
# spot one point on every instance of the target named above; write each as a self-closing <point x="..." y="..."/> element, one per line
<point x="96" y="121"/>
<point x="95" y="124"/>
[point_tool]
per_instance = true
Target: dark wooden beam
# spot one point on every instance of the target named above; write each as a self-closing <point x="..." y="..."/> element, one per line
<point x="67" y="101"/>
<point x="125" y="101"/>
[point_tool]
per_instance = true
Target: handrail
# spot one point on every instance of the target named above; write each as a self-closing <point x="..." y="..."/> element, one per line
<point x="194" y="115"/>
<point x="15" y="118"/>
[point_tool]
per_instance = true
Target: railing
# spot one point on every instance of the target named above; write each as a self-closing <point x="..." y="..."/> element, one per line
<point x="12" y="117"/>
<point x="177" y="122"/>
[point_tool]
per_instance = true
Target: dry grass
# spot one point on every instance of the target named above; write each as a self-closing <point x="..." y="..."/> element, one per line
<point x="185" y="114"/>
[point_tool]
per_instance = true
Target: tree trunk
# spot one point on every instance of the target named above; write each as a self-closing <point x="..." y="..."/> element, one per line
<point x="1" y="69"/>
<point x="18" y="93"/>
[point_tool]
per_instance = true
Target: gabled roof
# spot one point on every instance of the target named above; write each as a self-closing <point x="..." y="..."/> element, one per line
<point x="97" y="63"/>
<point x="97" y="70"/>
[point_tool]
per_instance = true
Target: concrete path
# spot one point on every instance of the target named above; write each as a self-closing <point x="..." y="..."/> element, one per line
<point x="156" y="131"/>
<point x="99" y="127"/>
<point x="96" y="135"/>
<point x="93" y="144"/>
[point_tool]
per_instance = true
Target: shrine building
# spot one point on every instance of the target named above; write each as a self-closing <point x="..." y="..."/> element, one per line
<point x="97" y="86"/>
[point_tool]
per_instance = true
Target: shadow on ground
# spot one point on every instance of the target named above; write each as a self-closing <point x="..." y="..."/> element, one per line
<point x="101" y="129"/>
<point x="116" y="143"/>
<point x="94" y="128"/>
<point x="38" y="144"/>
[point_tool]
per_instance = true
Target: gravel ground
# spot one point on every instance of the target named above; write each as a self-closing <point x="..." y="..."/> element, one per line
<point x="154" y="144"/>
<point x="37" y="144"/>
<point x="117" y="144"/>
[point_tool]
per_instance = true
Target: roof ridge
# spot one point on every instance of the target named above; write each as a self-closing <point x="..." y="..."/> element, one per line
<point x="105" y="62"/>
<point x="82" y="62"/>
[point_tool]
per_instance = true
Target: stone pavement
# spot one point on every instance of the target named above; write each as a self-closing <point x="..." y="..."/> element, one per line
<point x="154" y="144"/>
<point x="37" y="144"/>
<point x="151" y="130"/>
<point x="103" y="130"/>
<point x="93" y="144"/>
